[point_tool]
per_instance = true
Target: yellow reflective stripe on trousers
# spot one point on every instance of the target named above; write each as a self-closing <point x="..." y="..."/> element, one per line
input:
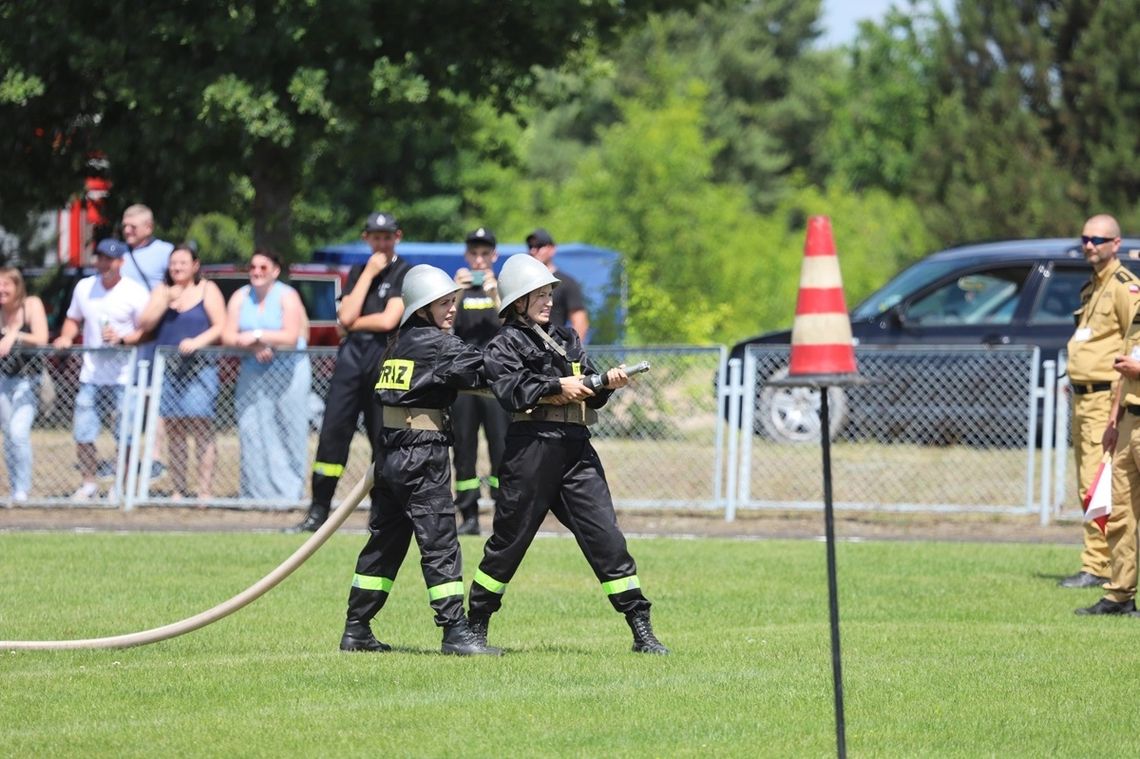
<point x="490" y="583"/>
<point x="371" y="583"/>
<point x="620" y="586"/>
<point x="446" y="589"/>
<point x="327" y="469"/>
<point x="471" y="484"/>
<point x="493" y="481"/>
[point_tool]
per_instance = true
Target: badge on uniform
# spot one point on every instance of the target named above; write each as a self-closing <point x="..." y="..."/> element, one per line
<point x="1134" y="289"/>
<point x="1083" y="334"/>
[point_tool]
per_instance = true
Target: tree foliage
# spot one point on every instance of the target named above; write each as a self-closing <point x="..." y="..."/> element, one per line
<point x="209" y="105"/>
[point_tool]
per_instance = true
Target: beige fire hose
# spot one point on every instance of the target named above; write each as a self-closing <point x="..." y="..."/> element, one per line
<point x="247" y="596"/>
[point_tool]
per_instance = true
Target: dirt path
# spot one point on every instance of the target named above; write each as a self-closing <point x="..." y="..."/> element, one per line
<point x="751" y="525"/>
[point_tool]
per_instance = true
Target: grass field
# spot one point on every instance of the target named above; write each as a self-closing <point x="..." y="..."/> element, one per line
<point x="950" y="649"/>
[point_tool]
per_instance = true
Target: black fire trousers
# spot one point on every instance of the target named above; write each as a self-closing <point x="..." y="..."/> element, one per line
<point x="352" y="390"/>
<point x="412" y="497"/>
<point x="563" y="475"/>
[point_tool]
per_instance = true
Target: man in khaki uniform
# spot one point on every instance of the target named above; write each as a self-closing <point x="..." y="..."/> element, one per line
<point x="1108" y="303"/>
<point x="1124" y="426"/>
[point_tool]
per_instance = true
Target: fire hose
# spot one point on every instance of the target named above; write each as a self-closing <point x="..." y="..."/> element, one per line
<point x="224" y="609"/>
<point x="253" y="592"/>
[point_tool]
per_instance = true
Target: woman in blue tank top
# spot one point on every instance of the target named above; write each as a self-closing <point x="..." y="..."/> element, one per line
<point x="188" y="314"/>
<point x="267" y="319"/>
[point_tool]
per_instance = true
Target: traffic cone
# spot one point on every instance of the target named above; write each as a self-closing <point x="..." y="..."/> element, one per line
<point x="821" y="332"/>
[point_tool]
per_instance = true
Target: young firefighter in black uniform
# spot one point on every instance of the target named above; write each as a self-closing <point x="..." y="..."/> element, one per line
<point x="549" y="463"/>
<point x="371" y="309"/>
<point x="420" y="375"/>
<point x="476" y="322"/>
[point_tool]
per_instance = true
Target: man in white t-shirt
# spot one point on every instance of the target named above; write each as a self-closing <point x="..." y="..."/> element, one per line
<point x="107" y="307"/>
<point x="148" y="259"/>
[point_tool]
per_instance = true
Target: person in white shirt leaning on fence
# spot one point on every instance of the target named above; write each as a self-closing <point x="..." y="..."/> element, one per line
<point x="107" y="307"/>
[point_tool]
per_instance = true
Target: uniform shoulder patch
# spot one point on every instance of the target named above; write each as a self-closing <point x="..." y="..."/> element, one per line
<point x="1125" y="276"/>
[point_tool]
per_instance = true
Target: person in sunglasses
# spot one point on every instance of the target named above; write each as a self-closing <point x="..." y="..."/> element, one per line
<point x="1108" y="305"/>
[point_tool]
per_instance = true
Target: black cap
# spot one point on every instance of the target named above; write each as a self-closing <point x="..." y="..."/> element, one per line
<point x="539" y="237"/>
<point x="482" y="235"/>
<point x="381" y="222"/>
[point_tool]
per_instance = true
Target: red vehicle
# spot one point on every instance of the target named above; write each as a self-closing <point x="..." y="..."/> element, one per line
<point x="319" y="285"/>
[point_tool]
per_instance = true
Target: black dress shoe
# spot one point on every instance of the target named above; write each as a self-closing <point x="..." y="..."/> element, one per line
<point x="1083" y="579"/>
<point x="1105" y="606"/>
<point x="468" y="527"/>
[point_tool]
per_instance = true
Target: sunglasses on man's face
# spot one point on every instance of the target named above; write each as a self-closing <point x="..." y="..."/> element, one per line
<point x="1085" y="240"/>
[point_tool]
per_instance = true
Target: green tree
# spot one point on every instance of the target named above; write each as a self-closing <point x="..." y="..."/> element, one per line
<point x="207" y="105"/>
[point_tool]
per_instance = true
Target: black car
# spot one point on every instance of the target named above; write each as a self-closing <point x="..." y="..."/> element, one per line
<point x="1016" y="292"/>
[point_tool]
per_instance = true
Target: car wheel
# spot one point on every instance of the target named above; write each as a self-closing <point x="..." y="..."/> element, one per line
<point x="791" y="414"/>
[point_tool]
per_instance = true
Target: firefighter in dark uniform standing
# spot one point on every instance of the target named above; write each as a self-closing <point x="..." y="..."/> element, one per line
<point x="549" y="463"/>
<point x="420" y="375"/>
<point x="476" y="322"/>
<point x="1108" y="303"/>
<point x="369" y="312"/>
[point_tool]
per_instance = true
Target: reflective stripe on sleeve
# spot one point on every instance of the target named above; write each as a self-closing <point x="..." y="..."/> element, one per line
<point x="620" y="586"/>
<point x="327" y="469"/>
<point x="471" y="484"/>
<point x="490" y="583"/>
<point x="437" y="592"/>
<point x="372" y="583"/>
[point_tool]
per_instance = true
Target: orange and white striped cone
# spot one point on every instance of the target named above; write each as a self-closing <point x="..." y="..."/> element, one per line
<point x="821" y="333"/>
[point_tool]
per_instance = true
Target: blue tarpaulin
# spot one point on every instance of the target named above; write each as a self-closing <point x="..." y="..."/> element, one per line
<point x="599" y="270"/>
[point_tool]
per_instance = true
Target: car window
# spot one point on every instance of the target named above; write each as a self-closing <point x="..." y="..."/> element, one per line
<point x="319" y="297"/>
<point x="989" y="297"/>
<point x="908" y="281"/>
<point x="1060" y="296"/>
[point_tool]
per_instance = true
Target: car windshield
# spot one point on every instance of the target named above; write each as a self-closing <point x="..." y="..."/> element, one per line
<point x="902" y="285"/>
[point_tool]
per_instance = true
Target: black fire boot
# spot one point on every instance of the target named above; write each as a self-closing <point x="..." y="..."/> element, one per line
<point x="358" y="637"/>
<point x="312" y="521"/>
<point x="470" y="523"/>
<point x="644" y="641"/>
<point x="479" y="622"/>
<point x="468" y="507"/>
<point x="459" y="639"/>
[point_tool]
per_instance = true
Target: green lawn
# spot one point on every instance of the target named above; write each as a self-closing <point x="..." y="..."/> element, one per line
<point x="949" y="650"/>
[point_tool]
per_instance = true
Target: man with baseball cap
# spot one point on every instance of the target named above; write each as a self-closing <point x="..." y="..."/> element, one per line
<point x="569" y="306"/>
<point x="107" y="307"/>
<point x="368" y="314"/>
<point x="476" y="322"/>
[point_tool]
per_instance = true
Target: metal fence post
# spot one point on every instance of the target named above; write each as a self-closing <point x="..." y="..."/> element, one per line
<point x="1047" y="430"/>
<point x="734" y="403"/>
<point x="722" y="400"/>
<point x="152" y="422"/>
<point x="747" y="416"/>
<point x="134" y="436"/>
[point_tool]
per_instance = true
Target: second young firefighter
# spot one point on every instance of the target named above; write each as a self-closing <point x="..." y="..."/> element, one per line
<point x="536" y="370"/>
<point x="369" y="312"/>
<point x="421" y="372"/>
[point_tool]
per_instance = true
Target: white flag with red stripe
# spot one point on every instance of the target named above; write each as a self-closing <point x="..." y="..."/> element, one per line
<point x="1098" y="499"/>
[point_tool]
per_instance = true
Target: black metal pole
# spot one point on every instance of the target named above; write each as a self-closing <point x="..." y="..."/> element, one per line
<point x="832" y="584"/>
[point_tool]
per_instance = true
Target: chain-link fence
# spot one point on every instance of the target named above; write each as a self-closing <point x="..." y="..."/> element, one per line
<point x="954" y="429"/>
<point x="948" y="428"/>
<point x="218" y="429"/>
<point x="63" y="440"/>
